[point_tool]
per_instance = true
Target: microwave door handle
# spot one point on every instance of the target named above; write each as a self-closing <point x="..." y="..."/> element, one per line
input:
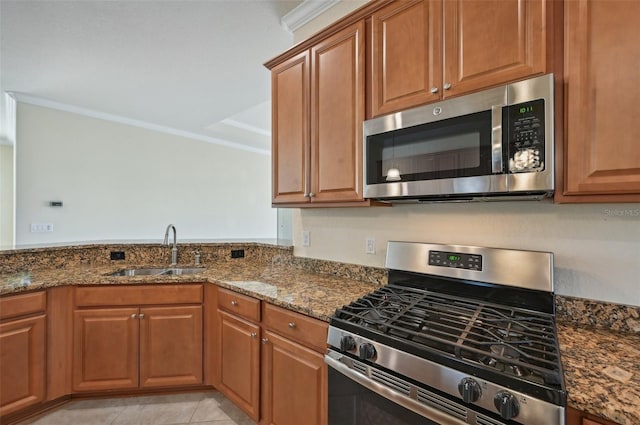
<point x="496" y="139"/>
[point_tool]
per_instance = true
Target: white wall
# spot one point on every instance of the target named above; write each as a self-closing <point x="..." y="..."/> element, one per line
<point x="123" y="182"/>
<point x="596" y="247"/>
<point x="6" y="196"/>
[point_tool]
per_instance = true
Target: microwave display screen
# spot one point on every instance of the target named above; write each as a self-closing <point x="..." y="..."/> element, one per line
<point x="456" y="147"/>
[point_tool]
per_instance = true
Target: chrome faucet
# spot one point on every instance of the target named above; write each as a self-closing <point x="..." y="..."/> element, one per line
<point x="174" y="249"/>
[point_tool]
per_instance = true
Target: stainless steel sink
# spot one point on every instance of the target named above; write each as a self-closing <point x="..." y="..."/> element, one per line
<point x="172" y="271"/>
<point x="177" y="271"/>
<point x="138" y="272"/>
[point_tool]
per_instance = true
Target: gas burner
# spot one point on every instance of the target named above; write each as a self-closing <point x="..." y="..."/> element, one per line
<point x="504" y="351"/>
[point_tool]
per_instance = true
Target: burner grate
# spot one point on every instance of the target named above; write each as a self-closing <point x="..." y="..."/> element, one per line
<point x="508" y="340"/>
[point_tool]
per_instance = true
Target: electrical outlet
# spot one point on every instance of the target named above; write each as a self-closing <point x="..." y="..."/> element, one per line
<point x="41" y="227"/>
<point x="370" y="246"/>
<point x="237" y="253"/>
<point x="117" y="255"/>
<point x="306" y="238"/>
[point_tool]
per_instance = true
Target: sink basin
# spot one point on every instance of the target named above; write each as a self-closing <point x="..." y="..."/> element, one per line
<point x="172" y="271"/>
<point x="138" y="272"/>
<point x="177" y="271"/>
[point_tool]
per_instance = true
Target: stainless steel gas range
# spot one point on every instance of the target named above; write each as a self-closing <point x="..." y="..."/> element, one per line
<point x="459" y="335"/>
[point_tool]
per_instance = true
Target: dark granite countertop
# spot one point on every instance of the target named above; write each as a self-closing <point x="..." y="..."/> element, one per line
<point x="313" y="294"/>
<point x="602" y="371"/>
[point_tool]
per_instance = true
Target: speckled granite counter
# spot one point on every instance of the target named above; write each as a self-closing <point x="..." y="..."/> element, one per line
<point x="316" y="295"/>
<point x="602" y="372"/>
<point x="601" y="366"/>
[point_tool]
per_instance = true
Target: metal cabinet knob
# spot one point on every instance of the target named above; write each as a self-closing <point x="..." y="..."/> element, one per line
<point x="311" y="194"/>
<point x="133" y="316"/>
<point x="434" y="90"/>
<point x="141" y="316"/>
<point x="234" y="303"/>
<point x="292" y="325"/>
<point x="306" y="195"/>
<point x="265" y="340"/>
<point x="447" y="86"/>
<point x="254" y="335"/>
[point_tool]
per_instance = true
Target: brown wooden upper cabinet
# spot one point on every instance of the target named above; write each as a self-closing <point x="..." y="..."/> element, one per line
<point x="602" y="153"/>
<point x="317" y="114"/>
<point x="426" y="50"/>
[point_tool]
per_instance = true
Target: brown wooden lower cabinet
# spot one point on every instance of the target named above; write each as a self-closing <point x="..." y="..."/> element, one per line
<point x="576" y="417"/>
<point x="294" y="383"/>
<point x="239" y="362"/>
<point x="22" y="360"/>
<point x="270" y="361"/>
<point x="105" y="349"/>
<point x="130" y="347"/>
<point x="170" y="346"/>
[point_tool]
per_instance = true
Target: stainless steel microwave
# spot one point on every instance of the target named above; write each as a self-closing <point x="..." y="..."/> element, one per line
<point x="497" y="144"/>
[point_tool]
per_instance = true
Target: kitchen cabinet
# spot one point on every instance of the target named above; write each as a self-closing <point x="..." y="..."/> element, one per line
<point x="105" y="349"/>
<point x="602" y="155"/>
<point x="270" y="361"/>
<point x="576" y="417"/>
<point x="290" y="130"/>
<point x="317" y="114"/>
<point x="426" y="50"/>
<point x="119" y="342"/>
<point x="294" y="374"/>
<point x="22" y="351"/>
<point x="238" y="345"/>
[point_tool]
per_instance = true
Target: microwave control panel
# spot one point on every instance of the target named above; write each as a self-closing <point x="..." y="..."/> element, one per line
<point x="525" y="132"/>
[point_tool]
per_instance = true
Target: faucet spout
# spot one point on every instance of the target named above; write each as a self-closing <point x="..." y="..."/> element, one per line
<point x="174" y="249"/>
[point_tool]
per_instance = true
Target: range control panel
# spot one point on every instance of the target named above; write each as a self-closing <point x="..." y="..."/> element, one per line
<point x="455" y="260"/>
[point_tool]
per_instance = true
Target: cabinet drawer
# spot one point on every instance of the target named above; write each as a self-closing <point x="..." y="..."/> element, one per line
<point x="20" y="305"/>
<point x="239" y="304"/>
<point x="138" y="295"/>
<point x="298" y="327"/>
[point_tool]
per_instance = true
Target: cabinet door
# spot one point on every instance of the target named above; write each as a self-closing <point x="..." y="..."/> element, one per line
<point x="406" y="57"/>
<point x="105" y="349"/>
<point x="294" y="383"/>
<point x="170" y="346"/>
<point x="290" y="130"/>
<point x="239" y="362"/>
<point x="337" y="111"/>
<point x="601" y="67"/>
<point x="491" y="42"/>
<point x="22" y="360"/>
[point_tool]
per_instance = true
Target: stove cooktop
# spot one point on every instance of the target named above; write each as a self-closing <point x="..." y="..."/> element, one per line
<point x="508" y="345"/>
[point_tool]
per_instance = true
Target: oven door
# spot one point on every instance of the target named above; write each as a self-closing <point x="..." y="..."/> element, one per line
<point x="358" y="399"/>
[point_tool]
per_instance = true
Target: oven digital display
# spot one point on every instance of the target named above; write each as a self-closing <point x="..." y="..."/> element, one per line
<point x="455" y="260"/>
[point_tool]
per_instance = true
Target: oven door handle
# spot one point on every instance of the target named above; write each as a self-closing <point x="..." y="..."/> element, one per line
<point x="340" y="363"/>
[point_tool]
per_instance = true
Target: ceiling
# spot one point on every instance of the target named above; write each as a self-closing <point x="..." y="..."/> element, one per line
<point x="190" y="66"/>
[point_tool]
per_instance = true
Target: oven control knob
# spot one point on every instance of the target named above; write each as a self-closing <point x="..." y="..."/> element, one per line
<point x="347" y="343"/>
<point x="469" y="389"/>
<point x="507" y="405"/>
<point x="367" y="351"/>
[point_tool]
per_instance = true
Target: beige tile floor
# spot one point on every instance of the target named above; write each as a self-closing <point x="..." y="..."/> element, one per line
<point x="207" y="408"/>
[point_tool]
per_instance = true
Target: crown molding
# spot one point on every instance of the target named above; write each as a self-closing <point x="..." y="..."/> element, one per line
<point x="37" y="101"/>
<point x="246" y="127"/>
<point x="305" y="12"/>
